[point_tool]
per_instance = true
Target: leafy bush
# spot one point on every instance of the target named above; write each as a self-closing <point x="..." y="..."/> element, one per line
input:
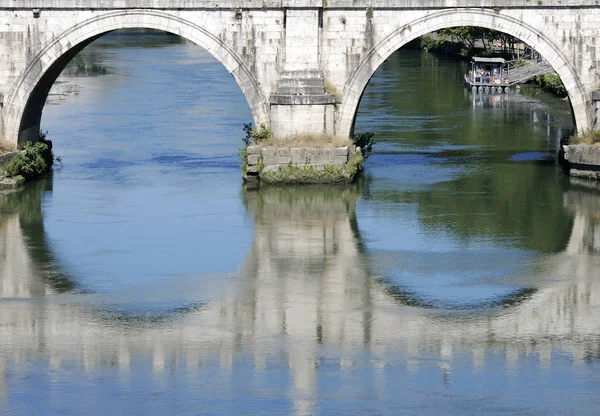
<point x="427" y="42"/>
<point x="256" y="135"/>
<point x="34" y="160"/>
<point x="365" y="141"/>
<point x="552" y="83"/>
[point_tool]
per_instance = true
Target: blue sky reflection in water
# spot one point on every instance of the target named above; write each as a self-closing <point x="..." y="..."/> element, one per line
<point x="457" y="277"/>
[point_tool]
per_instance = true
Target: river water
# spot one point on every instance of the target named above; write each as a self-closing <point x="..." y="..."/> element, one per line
<point x="459" y="275"/>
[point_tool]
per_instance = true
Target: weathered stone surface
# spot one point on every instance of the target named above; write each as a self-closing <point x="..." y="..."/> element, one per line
<point x="269" y="155"/>
<point x="584" y="160"/>
<point x="298" y="155"/>
<point x="283" y="156"/>
<point x="304" y="165"/>
<point x="253" y="159"/>
<point x="11" y="183"/>
<point x="253" y="150"/>
<point x="583" y="154"/>
<point x="252" y="169"/>
<point x="296" y="99"/>
<point x="340" y="151"/>
<point x="271" y="168"/>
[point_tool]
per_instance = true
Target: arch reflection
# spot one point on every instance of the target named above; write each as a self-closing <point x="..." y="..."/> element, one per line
<point x="305" y="295"/>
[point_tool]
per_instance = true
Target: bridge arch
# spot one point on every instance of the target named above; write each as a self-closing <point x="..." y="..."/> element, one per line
<point x="489" y="19"/>
<point x="28" y="95"/>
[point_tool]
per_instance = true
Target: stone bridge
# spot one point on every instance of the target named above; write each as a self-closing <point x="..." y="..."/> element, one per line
<point x="302" y="64"/>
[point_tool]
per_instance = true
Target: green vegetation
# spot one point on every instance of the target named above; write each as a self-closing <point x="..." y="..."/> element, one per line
<point x="365" y="142"/>
<point x="330" y="87"/>
<point x="443" y="46"/>
<point x="589" y="137"/>
<point x="35" y="159"/>
<point x="462" y="40"/>
<point x="293" y="174"/>
<point x="243" y="152"/>
<point x="500" y="203"/>
<point x="79" y="65"/>
<point x="257" y="135"/>
<point x="254" y="136"/>
<point x="550" y="83"/>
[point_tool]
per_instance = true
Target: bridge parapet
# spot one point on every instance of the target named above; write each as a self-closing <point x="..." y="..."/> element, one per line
<point x="294" y="4"/>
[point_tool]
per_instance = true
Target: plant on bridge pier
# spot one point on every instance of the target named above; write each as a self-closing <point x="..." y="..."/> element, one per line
<point x="330" y="88"/>
<point x="365" y="142"/>
<point x="589" y="137"/>
<point x="256" y="135"/>
<point x="35" y="159"/>
<point x="253" y="136"/>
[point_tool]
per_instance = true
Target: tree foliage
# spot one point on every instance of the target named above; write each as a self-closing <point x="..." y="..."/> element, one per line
<point x="472" y="36"/>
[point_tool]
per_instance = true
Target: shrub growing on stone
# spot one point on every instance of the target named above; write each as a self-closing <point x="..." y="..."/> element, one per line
<point x="365" y="142"/>
<point x="35" y="159"/>
<point x="256" y="135"/>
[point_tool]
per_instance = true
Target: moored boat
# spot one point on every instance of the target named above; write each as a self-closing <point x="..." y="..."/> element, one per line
<point x="487" y="74"/>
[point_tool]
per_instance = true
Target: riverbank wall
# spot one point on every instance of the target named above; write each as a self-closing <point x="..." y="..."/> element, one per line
<point x="293" y="165"/>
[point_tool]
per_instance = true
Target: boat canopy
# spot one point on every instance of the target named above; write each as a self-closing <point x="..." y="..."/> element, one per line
<point x="489" y="60"/>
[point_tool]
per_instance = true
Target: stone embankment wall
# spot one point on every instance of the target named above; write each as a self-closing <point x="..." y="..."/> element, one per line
<point x="302" y="165"/>
<point x="584" y="160"/>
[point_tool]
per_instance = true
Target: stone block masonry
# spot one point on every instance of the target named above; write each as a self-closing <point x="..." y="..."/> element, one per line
<point x="302" y="165"/>
<point x="583" y="160"/>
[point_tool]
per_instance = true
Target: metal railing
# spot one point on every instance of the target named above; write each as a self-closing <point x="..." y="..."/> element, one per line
<point x="526" y="67"/>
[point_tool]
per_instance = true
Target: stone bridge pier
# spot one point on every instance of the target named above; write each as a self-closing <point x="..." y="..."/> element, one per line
<point x="302" y="65"/>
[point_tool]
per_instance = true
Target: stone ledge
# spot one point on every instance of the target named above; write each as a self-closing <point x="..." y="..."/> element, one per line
<point x="582" y="154"/>
<point x="302" y="164"/>
<point x="583" y="160"/>
<point x="320" y="99"/>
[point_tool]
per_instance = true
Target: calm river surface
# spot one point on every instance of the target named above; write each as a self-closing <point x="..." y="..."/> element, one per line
<point x="458" y="276"/>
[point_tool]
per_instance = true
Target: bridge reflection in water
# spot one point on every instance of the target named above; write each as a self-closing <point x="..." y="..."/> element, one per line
<point x="305" y="298"/>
